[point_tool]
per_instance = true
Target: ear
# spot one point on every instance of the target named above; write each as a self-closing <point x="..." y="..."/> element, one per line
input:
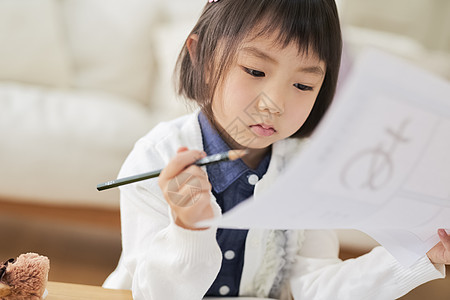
<point x="4" y="290"/>
<point x="191" y="44"/>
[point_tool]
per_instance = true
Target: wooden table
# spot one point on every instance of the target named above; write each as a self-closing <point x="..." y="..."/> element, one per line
<point x="70" y="291"/>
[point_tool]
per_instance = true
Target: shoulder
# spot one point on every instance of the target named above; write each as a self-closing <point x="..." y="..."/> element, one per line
<point x="157" y="147"/>
<point x="184" y="130"/>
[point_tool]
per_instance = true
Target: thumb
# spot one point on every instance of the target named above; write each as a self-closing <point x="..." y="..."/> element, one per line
<point x="445" y="239"/>
<point x="183" y="159"/>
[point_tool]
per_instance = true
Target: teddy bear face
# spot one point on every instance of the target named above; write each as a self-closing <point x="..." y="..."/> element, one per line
<point x="24" y="278"/>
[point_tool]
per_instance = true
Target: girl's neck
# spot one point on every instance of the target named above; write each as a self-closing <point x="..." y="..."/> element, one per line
<point x="253" y="158"/>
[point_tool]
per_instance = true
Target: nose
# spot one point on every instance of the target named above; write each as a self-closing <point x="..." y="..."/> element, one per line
<point x="272" y="104"/>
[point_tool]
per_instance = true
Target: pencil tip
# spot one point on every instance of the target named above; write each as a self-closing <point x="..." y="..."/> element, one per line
<point x="236" y="154"/>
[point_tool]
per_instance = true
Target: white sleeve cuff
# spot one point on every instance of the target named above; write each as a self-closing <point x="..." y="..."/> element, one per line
<point x="419" y="273"/>
<point x="193" y="245"/>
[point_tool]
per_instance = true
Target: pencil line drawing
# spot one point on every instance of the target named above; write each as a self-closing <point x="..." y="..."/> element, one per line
<point x="376" y="163"/>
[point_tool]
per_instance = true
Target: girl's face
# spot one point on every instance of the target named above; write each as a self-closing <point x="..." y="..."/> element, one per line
<point x="268" y="92"/>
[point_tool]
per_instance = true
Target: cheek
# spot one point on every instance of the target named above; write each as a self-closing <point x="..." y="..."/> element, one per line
<point x="297" y="119"/>
<point x="299" y="111"/>
<point x="227" y="101"/>
<point x="309" y="106"/>
<point x="237" y="94"/>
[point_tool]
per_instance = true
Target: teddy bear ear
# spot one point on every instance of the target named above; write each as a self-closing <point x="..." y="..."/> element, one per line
<point x="4" y="290"/>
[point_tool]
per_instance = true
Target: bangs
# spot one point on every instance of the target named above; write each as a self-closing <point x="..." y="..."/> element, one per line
<point x="308" y="24"/>
<point x="306" y="31"/>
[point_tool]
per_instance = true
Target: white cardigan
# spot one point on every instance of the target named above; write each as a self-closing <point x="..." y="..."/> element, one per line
<point x="163" y="261"/>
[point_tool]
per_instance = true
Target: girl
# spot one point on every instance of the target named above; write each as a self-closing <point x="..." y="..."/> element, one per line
<point x="263" y="73"/>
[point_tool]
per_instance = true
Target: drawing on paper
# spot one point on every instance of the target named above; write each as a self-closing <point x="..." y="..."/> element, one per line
<point x="377" y="163"/>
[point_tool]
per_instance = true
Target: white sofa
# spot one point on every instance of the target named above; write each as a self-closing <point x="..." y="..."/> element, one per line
<point x="418" y="30"/>
<point x="80" y="82"/>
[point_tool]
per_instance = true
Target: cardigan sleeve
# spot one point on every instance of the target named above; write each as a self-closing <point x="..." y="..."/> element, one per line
<point x="161" y="259"/>
<point x="319" y="273"/>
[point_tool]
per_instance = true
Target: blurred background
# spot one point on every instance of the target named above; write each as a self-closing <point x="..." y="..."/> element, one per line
<point x="82" y="80"/>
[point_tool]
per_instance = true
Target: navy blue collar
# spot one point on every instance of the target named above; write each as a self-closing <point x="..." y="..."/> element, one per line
<point x="222" y="175"/>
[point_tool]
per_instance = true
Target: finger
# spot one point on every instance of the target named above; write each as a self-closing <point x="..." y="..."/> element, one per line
<point x="201" y="206"/>
<point x="192" y="190"/>
<point x="182" y="149"/>
<point x="182" y="160"/>
<point x="202" y="211"/>
<point x="186" y="185"/>
<point x="200" y="176"/>
<point x="189" y="179"/>
<point x="187" y="197"/>
<point x="196" y="171"/>
<point x="445" y="238"/>
<point x="182" y="198"/>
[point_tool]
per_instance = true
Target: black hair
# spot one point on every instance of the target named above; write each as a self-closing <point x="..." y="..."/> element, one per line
<point x="312" y="25"/>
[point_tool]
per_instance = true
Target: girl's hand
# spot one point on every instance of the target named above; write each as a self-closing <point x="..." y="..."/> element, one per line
<point x="186" y="189"/>
<point x="440" y="254"/>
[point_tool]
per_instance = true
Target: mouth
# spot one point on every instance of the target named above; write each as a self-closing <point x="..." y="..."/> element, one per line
<point x="263" y="129"/>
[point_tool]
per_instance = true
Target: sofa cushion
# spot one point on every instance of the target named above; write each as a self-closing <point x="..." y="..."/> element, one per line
<point x="110" y="45"/>
<point x="58" y="145"/>
<point x="32" y="48"/>
<point x="175" y="21"/>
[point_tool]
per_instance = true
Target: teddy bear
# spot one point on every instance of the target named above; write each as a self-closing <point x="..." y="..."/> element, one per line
<point x="24" y="278"/>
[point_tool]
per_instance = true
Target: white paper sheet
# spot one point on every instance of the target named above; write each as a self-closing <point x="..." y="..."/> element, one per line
<point x="379" y="162"/>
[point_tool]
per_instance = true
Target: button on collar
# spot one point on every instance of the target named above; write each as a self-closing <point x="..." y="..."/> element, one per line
<point x="252" y="179"/>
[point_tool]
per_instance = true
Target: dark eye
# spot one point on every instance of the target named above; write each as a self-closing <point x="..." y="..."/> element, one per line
<point x="254" y="73"/>
<point x="303" y="87"/>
